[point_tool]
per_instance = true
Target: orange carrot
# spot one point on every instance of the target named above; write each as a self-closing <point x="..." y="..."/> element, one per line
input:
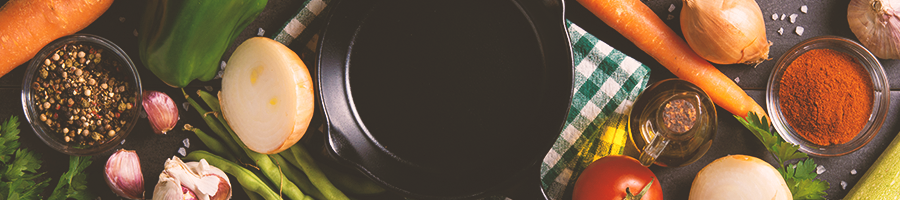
<point x="26" y="26"/>
<point x="638" y="23"/>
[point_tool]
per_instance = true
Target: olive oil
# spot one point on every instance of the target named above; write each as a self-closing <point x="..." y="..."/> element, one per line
<point x="680" y="114"/>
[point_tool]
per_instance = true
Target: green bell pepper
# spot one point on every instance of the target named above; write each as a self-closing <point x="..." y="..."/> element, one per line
<point x="180" y="41"/>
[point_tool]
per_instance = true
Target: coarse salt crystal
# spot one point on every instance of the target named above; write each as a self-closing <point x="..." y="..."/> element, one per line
<point x="222" y="65"/>
<point x="853" y="172"/>
<point x="208" y="88"/>
<point x="186" y="105"/>
<point x="135" y="32"/>
<point x="261" y="32"/>
<point x="803" y="9"/>
<point x="782" y="16"/>
<point x="793" y="18"/>
<point x="671" y="7"/>
<point x="781" y="31"/>
<point x="799" y="30"/>
<point x="775" y="16"/>
<point x="843" y="185"/>
<point x="670" y="17"/>
<point x="121" y="19"/>
<point x="187" y="142"/>
<point x="182" y="151"/>
<point x="820" y="169"/>
<point x="737" y="79"/>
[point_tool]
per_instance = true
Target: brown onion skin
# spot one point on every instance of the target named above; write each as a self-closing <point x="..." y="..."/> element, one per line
<point x="876" y="23"/>
<point x="725" y="31"/>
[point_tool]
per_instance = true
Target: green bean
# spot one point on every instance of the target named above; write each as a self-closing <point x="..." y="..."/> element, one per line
<point x="252" y="195"/>
<point x="295" y="175"/>
<point x="264" y="163"/>
<point x="216" y="127"/>
<point x="248" y="180"/>
<point x="308" y="165"/>
<point x="210" y="100"/>
<point x="352" y="183"/>
<point x="268" y="168"/>
<point x="214" y="145"/>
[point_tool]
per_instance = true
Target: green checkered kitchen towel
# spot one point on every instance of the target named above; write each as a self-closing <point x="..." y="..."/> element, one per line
<point x="606" y="83"/>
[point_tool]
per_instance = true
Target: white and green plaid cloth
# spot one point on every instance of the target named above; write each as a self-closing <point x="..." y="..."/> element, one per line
<point x="606" y="83"/>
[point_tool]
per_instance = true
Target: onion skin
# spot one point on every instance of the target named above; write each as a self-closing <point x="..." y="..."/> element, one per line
<point x="739" y="177"/>
<point x="725" y="31"/>
<point x="877" y="26"/>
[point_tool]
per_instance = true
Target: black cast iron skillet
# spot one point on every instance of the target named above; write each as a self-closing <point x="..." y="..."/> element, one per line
<point x="446" y="99"/>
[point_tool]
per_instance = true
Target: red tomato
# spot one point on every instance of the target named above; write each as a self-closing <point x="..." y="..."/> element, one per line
<point x="608" y="177"/>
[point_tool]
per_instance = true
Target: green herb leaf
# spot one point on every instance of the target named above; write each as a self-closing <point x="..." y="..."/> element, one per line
<point x="9" y="139"/>
<point x="805" y="169"/>
<point x="800" y="177"/>
<point x="73" y="183"/>
<point x="18" y="167"/>
<point x="807" y="188"/>
<point x="787" y="151"/>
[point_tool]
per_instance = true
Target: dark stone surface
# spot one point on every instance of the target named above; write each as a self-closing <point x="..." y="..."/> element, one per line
<point x="823" y="18"/>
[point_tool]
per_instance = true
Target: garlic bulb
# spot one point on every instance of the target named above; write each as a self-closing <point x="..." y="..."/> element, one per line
<point x="877" y="26"/>
<point x="725" y="31"/>
<point x="161" y="111"/>
<point x="202" y="181"/>
<point x="123" y="174"/>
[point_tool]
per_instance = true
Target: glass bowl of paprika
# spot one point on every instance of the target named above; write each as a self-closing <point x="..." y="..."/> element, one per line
<point x="829" y="95"/>
<point x="81" y="94"/>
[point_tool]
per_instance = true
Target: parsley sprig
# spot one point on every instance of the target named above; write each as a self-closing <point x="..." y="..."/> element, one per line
<point x="18" y="167"/>
<point x="801" y="176"/>
<point x="73" y="183"/>
<point x="18" y="170"/>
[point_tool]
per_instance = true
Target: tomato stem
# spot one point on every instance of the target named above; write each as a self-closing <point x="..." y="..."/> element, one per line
<point x="629" y="196"/>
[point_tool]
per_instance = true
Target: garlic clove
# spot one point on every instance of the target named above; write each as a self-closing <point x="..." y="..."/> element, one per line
<point x="161" y="111"/>
<point x="204" y="169"/>
<point x="123" y="174"/>
<point x="167" y="188"/>
<point x="203" y="180"/>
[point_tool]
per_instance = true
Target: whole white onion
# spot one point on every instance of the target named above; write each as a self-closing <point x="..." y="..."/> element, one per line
<point x="725" y="31"/>
<point x="739" y="177"/>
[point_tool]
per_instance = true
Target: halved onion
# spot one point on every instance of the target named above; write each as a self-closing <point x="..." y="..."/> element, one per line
<point x="267" y="95"/>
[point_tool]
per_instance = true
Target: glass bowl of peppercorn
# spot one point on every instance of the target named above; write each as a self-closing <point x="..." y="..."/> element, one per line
<point x="81" y="94"/>
<point x="829" y="95"/>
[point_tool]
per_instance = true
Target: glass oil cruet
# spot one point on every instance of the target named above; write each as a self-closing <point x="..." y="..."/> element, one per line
<point x="672" y="123"/>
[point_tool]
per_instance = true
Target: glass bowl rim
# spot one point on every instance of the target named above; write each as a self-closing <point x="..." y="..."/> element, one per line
<point x="31" y="114"/>
<point x="880" y="104"/>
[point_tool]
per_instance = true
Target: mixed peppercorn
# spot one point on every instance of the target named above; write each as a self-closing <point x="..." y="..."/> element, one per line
<point x="83" y="98"/>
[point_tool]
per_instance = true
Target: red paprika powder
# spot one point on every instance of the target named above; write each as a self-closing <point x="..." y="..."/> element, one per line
<point x="826" y="96"/>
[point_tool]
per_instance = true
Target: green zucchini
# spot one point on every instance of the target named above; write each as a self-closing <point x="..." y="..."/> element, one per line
<point x="882" y="180"/>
